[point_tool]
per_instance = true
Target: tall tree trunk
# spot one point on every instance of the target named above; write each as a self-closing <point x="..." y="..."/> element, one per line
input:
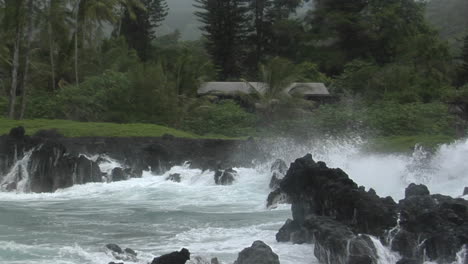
<point x="27" y="55"/>
<point x="77" y="80"/>
<point x="51" y="46"/>
<point x="14" y="74"/>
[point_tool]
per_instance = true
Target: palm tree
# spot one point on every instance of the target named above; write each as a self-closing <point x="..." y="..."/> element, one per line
<point x="277" y="75"/>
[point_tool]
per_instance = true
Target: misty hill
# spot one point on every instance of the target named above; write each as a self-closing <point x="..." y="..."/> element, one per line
<point x="450" y="18"/>
<point x="181" y="18"/>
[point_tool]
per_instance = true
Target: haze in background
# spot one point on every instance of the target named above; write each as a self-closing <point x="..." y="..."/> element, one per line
<point x="181" y="18"/>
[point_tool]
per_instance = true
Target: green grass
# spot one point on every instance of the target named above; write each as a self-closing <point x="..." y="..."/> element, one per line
<point x="90" y="129"/>
<point x="400" y="144"/>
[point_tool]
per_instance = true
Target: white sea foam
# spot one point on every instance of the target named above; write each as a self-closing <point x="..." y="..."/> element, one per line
<point x="155" y="216"/>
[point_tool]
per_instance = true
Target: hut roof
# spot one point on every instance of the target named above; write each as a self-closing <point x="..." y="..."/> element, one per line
<point x="230" y="88"/>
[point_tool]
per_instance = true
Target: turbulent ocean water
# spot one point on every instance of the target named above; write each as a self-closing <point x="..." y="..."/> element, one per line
<point x="154" y="216"/>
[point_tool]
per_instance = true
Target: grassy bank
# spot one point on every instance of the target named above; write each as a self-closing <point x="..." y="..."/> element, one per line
<point x="90" y="129"/>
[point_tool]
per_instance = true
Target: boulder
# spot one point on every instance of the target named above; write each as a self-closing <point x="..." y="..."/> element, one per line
<point x="329" y="210"/>
<point x="176" y="257"/>
<point x="118" y="174"/>
<point x="114" y="248"/>
<point x="315" y="189"/>
<point x="17" y="133"/>
<point x="258" y="253"/>
<point x="441" y="222"/>
<point x="465" y="191"/>
<point x="277" y="197"/>
<point x="175" y="177"/>
<point x="278" y="169"/>
<point x="415" y="190"/>
<point x="126" y="255"/>
<point x="225" y="177"/>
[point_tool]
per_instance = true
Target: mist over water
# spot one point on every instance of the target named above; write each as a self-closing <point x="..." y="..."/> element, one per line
<point x="444" y="170"/>
<point x="154" y="216"/>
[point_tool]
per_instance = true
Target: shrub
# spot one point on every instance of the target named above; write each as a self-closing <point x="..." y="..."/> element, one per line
<point x="224" y="118"/>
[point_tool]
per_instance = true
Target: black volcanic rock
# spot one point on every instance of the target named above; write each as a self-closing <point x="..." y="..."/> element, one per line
<point x="415" y="190"/>
<point x="440" y="222"/>
<point x="277" y="197"/>
<point x="17" y="133"/>
<point x="225" y="177"/>
<point x="160" y="154"/>
<point x="278" y="169"/>
<point x="258" y="253"/>
<point x="118" y="174"/>
<point x="175" y="177"/>
<point x="315" y="189"/>
<point x="329" y="210"/>
<point x="114" y="248"/>
<point x="176" y="257"/>
<point x="57" y="162"/>
<point x="465" y="191"/>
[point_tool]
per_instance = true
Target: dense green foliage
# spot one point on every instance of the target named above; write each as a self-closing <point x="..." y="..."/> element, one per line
<point x="390" y="72"/>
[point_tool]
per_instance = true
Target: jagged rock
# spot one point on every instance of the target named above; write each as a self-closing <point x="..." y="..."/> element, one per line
<point x="130" y="252"/>
<point x="258" y="253"/>
<point x="118" y="175"/>
<point x="214" y="261"/>
<point x="86" y="171"/>
<point x="174" y="177"/>
<point x="441" y="222"/>
<point x="17" y="132"/>
<point x="176" y="257"/>
<point x="114" y="248"/>
<point x="415" y="190"/>
<point x="57" y="164"/>
<point x="278" y="169"/>
<point x="126" y="255"/>
<point x="315" y="189"/>
<point x="116" y="263"/>
<point x="465" y="192"/>
<point x="225" y="177"/>
<point x="277" y="197"/>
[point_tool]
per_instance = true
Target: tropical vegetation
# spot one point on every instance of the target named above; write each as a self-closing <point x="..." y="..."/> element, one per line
<point x="391" y="66"/>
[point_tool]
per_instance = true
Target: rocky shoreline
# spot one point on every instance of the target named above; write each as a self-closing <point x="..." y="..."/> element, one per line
<point x="341" y="219"/>
<point x="344" y="222"/>
<point x="56" y="162"/>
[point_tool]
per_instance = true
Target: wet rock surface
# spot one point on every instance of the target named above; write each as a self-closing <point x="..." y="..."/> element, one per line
<point x="258" y="253"/>
<point x="277" y="196"/>
<point x="57" y="162"/>
<point x="330" y="210"/>
<point x="225" y="177"/>
<point x="176" y="257"/>
<point x="174" y="177"/>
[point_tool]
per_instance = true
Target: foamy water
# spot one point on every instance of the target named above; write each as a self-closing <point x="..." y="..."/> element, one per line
<point x="154" y="216"/>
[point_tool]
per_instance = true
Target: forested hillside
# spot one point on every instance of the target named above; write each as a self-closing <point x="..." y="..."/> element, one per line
<point x="389" y="71"/>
